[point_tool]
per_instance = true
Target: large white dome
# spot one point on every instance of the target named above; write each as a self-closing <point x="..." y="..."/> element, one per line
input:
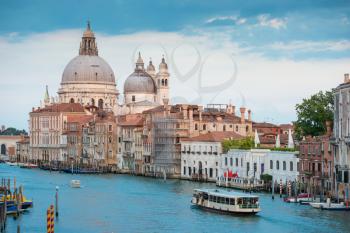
<point x="88" y="69"/>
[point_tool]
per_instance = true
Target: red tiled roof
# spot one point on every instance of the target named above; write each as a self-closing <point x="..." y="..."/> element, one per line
<point x="62" y="107"/>
<point x="131" y="120"/>
<point x="79" y="118"/>
<point x="214" y="137"/>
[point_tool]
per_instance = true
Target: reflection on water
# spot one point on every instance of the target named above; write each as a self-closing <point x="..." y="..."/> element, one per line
<point x="122" y="203"/>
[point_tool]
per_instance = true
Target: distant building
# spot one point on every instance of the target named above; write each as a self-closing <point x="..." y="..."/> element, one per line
<point x="8" y="146"/>
<point x="23" y="150"/>
<point x="281" y="165"/>
<point x="200" y="155"/>
<point x="341" y="140"/>
<point x="317" y="163"/>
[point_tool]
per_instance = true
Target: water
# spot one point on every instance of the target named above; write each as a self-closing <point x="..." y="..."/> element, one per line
<point x="122" y="203"/>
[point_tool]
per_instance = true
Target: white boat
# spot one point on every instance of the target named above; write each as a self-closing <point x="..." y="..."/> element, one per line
<point x="75" y="183"/>
<point x="12" y="164"/>
<point x="329" y="206"/>
<point x="226" y="201"/>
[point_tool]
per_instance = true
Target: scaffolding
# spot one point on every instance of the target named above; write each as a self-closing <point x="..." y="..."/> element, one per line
<point x="166" y="133"/>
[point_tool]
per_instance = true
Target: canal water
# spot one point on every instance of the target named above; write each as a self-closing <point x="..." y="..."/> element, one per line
<point x="124" y="203"/>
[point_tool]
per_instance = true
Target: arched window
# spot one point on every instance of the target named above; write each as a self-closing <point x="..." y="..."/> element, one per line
<point x="162" y="82"/>
<point x="278" y="165"/>
<point x="236" y="128"/>
<point x="247" y="128"/>
<point x="284" y="166"/>
<point x="71" y="101"/>
<point x="271" y="164"/>
<point x="166" y="82"/>
<point x="3" y="149"/>
<point x="195" y="127"/>
<point x="204" y="127"/>
<point x="100" y="103"/>
<point x="291" y="166"/>
<point x="92" y="102"/>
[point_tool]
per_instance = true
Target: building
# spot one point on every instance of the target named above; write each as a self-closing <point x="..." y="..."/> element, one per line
<point x="23" y="150"/>
<point x="317" y="164"/>
<point x="8" y="146"/>
<point x="250" y="164"/>
<point x="341" y="139"/>
<point x="200" y="155"/>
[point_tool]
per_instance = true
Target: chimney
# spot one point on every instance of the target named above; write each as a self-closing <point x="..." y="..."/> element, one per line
<point x="242" y="109"/>
<point x="249" y="115"/>
<point x="346" y="78"/>
<point x="329" y="128"/>
<point x="184" y="111"/>
<point x="200" y="110"/>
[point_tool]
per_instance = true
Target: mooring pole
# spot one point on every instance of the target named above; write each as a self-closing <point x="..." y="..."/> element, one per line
<point x="56" y="201"/>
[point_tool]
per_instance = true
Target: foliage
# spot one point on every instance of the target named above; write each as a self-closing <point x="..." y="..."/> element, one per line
<point x="283" y="149"/>
<point x="13" y="131"/>
<point x="245" y="143"/>
<point x="266" y="177"/>
<point x="312" y="114"/>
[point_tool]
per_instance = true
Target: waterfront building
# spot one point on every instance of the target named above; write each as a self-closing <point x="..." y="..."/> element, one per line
<point x="22" y="149"/>
<point x="341" y="139"/>
<point x="251" y="164"/>
<point x="317" y="163"/>
<point x="8" y="145"/>
<point x="200" y="155"/>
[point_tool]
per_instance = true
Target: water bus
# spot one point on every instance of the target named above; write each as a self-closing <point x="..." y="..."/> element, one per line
<point x="226" y="201"/>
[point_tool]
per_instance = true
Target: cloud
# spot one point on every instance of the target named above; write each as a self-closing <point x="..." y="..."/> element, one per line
<point x="265" y="20"/>
<point x="204" y="61"/>
<point x="312" y="46"/>
<point x="226" y="20"/>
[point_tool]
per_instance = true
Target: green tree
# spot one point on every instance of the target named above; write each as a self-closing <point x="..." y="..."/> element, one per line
<point x="245" y="143"/>
<point x="313" y="113"/>
<point x="13" y="131"/>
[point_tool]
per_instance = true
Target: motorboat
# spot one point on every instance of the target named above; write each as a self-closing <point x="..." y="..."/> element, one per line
<point x="75" y="183"/>
<point x="330" y="206"/>
<point x="301" y="198"/>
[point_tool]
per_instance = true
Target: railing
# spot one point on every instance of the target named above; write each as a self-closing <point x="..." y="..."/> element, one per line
<point x="248" y="206"/>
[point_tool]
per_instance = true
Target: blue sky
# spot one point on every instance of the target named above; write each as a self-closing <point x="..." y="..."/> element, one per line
<point x="281" y="35"/>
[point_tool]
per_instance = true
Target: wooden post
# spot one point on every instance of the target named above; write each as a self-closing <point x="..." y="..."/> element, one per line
<point x="50" y="220"/>
<point x="56" y="202"/>
<point x="281" y="188"/>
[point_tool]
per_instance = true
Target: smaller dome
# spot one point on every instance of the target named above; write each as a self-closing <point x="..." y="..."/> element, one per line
<point x="139" y="82"/>
<point x="163" y="65"/>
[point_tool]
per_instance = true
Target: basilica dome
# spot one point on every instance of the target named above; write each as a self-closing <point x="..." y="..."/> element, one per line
<point x="139" y="82"/>
<point x="88" y="69"/>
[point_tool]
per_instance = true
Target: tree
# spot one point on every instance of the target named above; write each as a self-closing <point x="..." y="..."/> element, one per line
<point x="13" y="131"/>
<point x="313" y="113"/>
<point x="245" y="143"/>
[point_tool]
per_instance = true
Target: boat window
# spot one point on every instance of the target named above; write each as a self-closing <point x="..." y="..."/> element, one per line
<point x="205" y="196"/>
<point x="227" y="200"/>
<point x="232" y="201"/>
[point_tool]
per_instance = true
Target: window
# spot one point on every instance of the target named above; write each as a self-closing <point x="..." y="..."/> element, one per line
<point x="236" y="162"/>
<point x="278" y="165"/>
<point x="166" y="82"/>
<point x="231" y="162"/>
<point x="216" y="172"/>
<point x="319" y="167"/>
<point x="189" y="171"/>
<point x="236" y="128"/>
<point x="71" y="101"/>
<point x="195" y="127"/>
<point x="224" y="128"/>
<point x="100" y="103"/>
<point x="110" y="128"/>
<point x="271" y="164"/>
<point x="247" y="128"/>
<point x="225" y="161"/>
<point x="284" y="166"/>
<point x="210" y="172"/>
<point x="184" y="170"/>
<point x="204" y="127"/>
<point x="133" y="99"/>
<point x="92" y="102"/>
<point x="291" y="166"/>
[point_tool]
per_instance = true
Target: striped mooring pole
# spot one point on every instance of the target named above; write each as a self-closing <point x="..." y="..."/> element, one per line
<point x="289" y="189"/>
<point x="281" y="188"/>
<point x="50" y="219"/>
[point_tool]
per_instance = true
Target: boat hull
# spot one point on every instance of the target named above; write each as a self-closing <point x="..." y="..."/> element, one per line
<point x="221" y="211"/>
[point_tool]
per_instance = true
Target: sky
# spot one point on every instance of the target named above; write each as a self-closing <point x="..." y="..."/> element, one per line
<point x="264" y="55"/>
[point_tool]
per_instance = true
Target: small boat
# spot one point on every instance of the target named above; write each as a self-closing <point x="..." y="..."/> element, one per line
<point x="226" y="201"/>
<point x="75" y="183"/>
<point x="28" y="165"/>
<point x="11" y="163"/>
<point x="330" y="206"/>
<point x="301" y="198"/>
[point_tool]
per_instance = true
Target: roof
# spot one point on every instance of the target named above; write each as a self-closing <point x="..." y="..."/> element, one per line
<point x="214" y="137"/>
<point x="79" y="118"/>
<point x="140" y="82"/>
<point x="62" y="107"/>
<point x="264" y="125"/>
<point x="131" y="120"/>
<point x="225" y="193"/>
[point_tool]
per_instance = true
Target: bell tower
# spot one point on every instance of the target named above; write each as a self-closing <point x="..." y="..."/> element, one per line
<point x="162" y="78"/>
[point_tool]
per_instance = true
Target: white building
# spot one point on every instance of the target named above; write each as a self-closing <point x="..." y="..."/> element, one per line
<point x="252" y="163"/>
<point x="200" y="156"/>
